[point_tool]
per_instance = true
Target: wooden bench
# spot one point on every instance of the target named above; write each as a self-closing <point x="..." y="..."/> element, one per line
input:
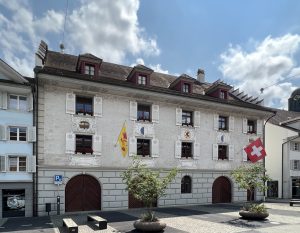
<point x="294" y="201"/>
<point x="71" y="225"/>
<point x="101" y="221"/>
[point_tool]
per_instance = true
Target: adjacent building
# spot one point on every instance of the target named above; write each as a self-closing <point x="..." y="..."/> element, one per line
<point x="82" y="104"/>
<point x="17" y="137"/>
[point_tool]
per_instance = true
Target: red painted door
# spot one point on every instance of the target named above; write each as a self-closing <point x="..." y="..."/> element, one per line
<point x="221" y="190"/>
<point x="82" y="193"/>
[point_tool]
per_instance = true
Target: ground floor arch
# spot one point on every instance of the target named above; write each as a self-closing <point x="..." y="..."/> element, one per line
<point x="221" y="190"/>
<point x="82" y="193"/>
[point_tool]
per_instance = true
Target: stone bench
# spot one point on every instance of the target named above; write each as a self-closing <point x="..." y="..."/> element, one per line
<point x="71" y="225"/>
<point x="101" y="221"/>
<point x="294" y="201"/>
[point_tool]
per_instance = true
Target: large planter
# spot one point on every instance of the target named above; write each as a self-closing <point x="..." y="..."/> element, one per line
<point x="149" y="226"/>
<point x="253" y="215"/>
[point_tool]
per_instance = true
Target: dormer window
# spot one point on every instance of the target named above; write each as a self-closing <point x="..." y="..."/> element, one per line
<point x="89" y="70"/>
<point x="186" y="88"/>
<point x="142" y="80"/>
<point x="223" y="94"/>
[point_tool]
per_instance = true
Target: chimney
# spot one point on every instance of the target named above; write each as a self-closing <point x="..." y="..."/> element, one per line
<point x="201" y="76"/>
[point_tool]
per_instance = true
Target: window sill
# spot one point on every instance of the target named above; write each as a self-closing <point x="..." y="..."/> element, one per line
<point x="251" y="133"/>
<point x="84" y="115"/>
<point x="185" y="158"/>
<point x="188" y="126"/>
<point x="143" y="121"/>
<point x="223" y="130"/>
<point x="84" y="155"/>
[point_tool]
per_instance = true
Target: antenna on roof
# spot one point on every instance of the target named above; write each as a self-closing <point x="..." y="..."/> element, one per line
<point x="62" y="46"/>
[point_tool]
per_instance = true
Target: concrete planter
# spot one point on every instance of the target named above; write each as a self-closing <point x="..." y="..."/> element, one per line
<point x="253" y="215"/>
<point x="149" y="226"/>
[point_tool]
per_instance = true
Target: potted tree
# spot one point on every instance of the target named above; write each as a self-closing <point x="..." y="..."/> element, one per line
<point x="252" y="177"/>
<point x="147" y="186"/>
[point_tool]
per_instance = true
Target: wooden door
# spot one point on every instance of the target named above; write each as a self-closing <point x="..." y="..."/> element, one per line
<point x="83" y="193"/>
<point x="221" y="190"/>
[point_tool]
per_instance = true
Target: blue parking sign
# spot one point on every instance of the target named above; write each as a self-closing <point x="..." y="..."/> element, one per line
<point x="58" y="179"/>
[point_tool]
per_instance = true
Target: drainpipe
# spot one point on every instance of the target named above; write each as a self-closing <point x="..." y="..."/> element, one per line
<point x="264" y="138"/>
<point x="282" y="161"/>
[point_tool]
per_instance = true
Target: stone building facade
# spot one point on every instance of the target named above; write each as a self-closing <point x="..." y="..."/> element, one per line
<point x="171" y="121"/>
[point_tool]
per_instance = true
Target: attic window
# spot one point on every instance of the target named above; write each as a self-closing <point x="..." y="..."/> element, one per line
<point x="186" y="88"/>
<point x="89" y="70"/>
<point x="223" y="94"/>
<point x="142" y="80"/>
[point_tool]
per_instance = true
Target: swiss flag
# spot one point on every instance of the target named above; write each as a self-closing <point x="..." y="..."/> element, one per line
<point x="255" y="151"/>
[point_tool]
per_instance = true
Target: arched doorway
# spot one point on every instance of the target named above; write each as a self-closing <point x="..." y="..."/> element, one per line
<point x="82" y="193"/>
<point x="221" y="190"/>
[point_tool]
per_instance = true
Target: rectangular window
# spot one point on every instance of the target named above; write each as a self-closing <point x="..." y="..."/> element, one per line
<point x="251" y="126"/>
<point x="143" y="112"/>
<point x="143" y="147"/>
<point x="186" y="150"/>
<point x="84" y="144"/>
<point x="17" y="102"/>
<point x="17" y="163"/>
<point x="223" y="123"/>
<point x="142" y="80"/>
<point x="222" y="152"/>
<point x="84" y="105"/>
<point x="187" y="118"/>
<point x="295" y="146"/>
<point x="295" y="165"/>
<point x="223" y="94"/>
<point x="89" y="69"/>
<point x="17" y="134"/>
<point x="186" y="88"/>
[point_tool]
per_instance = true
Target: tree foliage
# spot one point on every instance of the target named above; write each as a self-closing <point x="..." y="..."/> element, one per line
<point x="145" y="184"/>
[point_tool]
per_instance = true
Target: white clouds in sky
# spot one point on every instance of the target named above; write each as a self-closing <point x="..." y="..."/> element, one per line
<point x="271" y="62"/>
<point x="108" y="29"/>
<point x="156" y="68"/>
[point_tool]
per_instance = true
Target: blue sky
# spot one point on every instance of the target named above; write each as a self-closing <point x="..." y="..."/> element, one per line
<point x="249" y="44"/>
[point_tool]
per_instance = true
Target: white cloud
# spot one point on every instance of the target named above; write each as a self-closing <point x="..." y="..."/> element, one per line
<point x="156" y="68"/>
<point x="271" y="62"/>
<point x="108" y="29"/>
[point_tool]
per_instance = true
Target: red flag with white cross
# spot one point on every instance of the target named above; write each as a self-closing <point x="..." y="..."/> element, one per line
<point x="255" y="151"/>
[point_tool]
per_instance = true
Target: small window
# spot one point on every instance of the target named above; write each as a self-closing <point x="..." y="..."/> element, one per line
<point x="295" y="146"/>
<point x="295" y="164"/>
<point x="186" y="88"/>
<point x="89" y="69"/>
<point x="251" y="126"/>
<point x="84" y="105"/>
<point x="223" y="123"/>
<point x="17" y="164"/>
<point x="223" y="94"/>
<point x="142" y="80"/>
<point x="186" y="184"/>
<point x="187" y="118"/>
<point x="84" y="144"/>
<point x="186" y="150"/>
<point x="143" y="147"/>
<point x="143" y="112"/>
<point x="222" y="152"/>
<point x="17" y="133"/>
<point x="17" y="102"/>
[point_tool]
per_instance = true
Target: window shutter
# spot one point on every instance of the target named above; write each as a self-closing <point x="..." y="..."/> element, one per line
<point x="215" y="152"/>
<point x="70" y="103"/>
<point x="133" y="110"/>
<point x="196" y="154"/>
<point x="178" y="116"/>
<point x="3" y="132"/>
<point x="155" y="148"/>
<point x="1" y="99"/>
<point x="31" y="163"/>
<point x="3" y="163"/>
<point x="132" y="146"/>
<point x="70" y="143"/>
<point x="197" y="119"/>
<point x="97" y="144"/>
<point x="245" y="157"/>
<point x="31" y="132"/>
<point x="155" y="113"/>
<point x="259" y="125"/>
<point x="4" y="100"/>
<point x="245" y="125"/>
<point x="97" y="106"/>
<point x="231" y="123"/>
<point x="231" y="152"/>
<point x="292" y="165"/>
<point x="216" y="122"/>
<point x="29" y="102"/>
<point x="178" y="149"/>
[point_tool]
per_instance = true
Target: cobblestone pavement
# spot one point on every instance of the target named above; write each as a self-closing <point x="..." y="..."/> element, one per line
<point x="201" y="218"/>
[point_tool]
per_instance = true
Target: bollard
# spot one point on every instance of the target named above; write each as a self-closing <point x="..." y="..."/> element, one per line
<point x="58" y="205"/>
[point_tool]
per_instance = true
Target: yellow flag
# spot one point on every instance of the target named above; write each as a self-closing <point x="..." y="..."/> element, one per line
<point x="123" y="141"/>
